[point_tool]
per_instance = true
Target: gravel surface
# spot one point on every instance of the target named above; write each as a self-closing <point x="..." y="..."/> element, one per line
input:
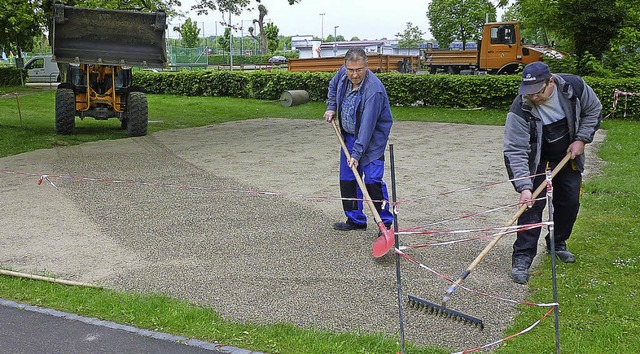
<point x="198" y="225"/>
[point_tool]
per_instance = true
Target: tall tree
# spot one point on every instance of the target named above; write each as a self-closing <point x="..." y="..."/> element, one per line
<point x="189" y="32"/>
<point x="459" y="19"/>
<point x="628" y="37"/>
<point x="536" y="19"/>
<point x="128" y="5"/>
<point x="260" y="36"/>
<point x="21" y="22"/>
<point x="271" y="31"/>
<point x="624" y="54"/>
<point x="411" y="37"/>
<point x="574" y="25"/>
<point x="234" y="6"/>
<point x="224" y="41"/>
<point x="592" y="24"/>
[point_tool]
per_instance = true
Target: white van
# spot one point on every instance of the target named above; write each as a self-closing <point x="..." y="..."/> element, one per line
<point x="42" y="69"/>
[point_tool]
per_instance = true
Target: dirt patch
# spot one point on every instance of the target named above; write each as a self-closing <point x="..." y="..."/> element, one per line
<point x="238" y="217"/>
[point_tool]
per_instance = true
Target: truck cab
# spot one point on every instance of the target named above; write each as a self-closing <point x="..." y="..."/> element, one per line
<point x="502" y="50"/>
<point x="42" y="68"/>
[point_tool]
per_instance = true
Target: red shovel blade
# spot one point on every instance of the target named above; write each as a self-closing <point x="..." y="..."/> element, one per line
<point x="383" y="243"/>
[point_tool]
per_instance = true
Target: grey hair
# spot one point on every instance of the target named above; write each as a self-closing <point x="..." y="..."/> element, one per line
<point x="355" y="54"/>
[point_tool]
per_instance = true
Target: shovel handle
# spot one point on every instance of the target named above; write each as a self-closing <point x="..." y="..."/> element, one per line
<point x="497" y="238"/>
<point x="363" y="187"/>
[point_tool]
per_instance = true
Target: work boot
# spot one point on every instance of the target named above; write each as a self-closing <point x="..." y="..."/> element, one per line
<point x="349" y="226"/>
<point x="563" y="254"/>
<point x="520" y="269"/>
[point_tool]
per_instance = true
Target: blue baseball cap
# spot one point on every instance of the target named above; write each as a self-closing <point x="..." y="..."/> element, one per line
<point x="533" y="77"/>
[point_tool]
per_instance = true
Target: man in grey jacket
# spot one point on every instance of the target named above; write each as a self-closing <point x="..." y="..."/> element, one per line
<point x="553" y="115"/>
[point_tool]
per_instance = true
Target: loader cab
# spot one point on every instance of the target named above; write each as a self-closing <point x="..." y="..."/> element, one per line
<point x="100" y="78"/>
<point x="98" y="86"/>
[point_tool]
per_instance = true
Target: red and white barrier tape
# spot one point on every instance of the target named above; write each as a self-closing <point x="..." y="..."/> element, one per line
<point x="466" y="189"/>
<point x="163" y="185"/>
<point x="507" y="230"/>
<point x="457" y="218"/>
<point x="46" y="178"/>
<point x="254" y="192"/>
<point x="508" y="337"/>
<point x="495" y="297"/>
<point x="616" y="97"/>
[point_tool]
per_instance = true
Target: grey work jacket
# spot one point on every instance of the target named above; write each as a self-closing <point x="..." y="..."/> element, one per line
<point x="523" y="130"/>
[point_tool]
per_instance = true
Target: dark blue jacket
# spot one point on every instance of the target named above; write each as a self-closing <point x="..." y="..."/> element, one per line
<point x="373" y="114"/>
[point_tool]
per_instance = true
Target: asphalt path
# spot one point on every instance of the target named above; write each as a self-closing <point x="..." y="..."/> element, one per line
<point x="29" y="329"/>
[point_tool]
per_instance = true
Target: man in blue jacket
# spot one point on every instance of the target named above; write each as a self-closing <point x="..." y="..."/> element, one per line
<point x="359" y="101"/>
<point x="553" y="115"/>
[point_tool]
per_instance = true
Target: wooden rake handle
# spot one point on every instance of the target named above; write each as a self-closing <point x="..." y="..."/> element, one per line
<point x="497" y="238"/>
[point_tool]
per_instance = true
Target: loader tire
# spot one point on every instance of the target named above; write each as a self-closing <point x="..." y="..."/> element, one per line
<point x="137" y="114"/>
<point x="65" y="111"/>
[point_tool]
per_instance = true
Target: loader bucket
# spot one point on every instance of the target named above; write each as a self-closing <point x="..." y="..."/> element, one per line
<point x="109" y="37"/>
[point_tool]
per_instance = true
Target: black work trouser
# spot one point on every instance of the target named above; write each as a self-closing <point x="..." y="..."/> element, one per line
<point x="566" y="202"/>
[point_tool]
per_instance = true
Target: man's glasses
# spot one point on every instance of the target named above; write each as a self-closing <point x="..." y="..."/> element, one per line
<point x="544" y="88"/>
<point x="356" y="70"/>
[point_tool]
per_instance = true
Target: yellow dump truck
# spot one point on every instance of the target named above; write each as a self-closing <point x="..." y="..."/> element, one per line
<point x="501" y="51"/>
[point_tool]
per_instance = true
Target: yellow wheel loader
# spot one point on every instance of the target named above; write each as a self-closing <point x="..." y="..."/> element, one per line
<point x="98" y="48"/>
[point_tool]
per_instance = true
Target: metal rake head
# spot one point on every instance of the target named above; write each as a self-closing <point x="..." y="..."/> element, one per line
<point x="442" y="311"/>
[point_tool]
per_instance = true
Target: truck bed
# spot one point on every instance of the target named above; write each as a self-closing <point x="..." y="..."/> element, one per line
<point x="451" y="57"/>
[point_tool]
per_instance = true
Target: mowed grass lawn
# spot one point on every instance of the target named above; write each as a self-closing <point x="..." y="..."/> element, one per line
<point x="599" y="295"/>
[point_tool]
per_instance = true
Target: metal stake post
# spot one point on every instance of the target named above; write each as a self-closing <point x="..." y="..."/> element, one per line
<point x="19" y="111"/>
<point x="552" y="248"/>
<point x="395" y="227"/>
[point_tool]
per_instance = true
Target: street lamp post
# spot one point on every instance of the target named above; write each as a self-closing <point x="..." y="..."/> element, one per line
<point x="230" y="45"/>
<point x="322" y="26"/>
<point x="204" y="37"/>
<point x="335" y="44"/>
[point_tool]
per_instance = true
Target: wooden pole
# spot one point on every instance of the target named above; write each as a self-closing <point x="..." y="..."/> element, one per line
<point x="49" y="279"/>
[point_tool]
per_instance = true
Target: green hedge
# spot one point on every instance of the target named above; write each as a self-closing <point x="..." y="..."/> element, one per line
<point x="10" y="76"/>
<point x="469" y="91"/>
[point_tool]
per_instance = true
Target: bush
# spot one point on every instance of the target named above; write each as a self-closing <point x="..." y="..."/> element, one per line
<point x="494" y="91"/>
<point x="10" y="76"/>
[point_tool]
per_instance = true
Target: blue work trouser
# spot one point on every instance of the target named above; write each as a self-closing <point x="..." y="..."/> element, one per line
<point x="373" y="173"/>
<point x="566" y="202"/>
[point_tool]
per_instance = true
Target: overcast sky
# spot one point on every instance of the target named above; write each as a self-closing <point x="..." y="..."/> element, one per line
<point x="365" y="19"/>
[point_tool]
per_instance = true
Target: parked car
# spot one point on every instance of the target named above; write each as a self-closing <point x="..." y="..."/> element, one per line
<point x="278" y="59"/>
<point x="42" y="68"/>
